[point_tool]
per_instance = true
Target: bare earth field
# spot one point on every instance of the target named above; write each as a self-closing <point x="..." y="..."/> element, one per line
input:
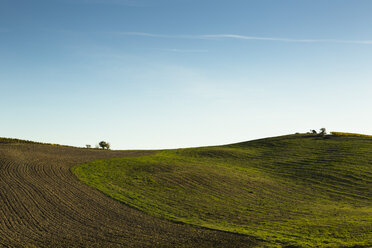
<point x="42" y="204"/>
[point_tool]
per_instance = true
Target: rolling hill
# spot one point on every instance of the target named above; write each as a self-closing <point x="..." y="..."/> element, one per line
<point x="291" y="191"/>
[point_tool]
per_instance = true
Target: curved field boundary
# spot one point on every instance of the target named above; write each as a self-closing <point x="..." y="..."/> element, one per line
<point x="42" y="204"/>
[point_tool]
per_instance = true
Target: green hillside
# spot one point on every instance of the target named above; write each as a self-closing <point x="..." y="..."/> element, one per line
<point x="296" y="190"/>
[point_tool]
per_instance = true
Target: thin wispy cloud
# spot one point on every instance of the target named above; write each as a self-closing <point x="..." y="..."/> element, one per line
<point x="245" y="37"/>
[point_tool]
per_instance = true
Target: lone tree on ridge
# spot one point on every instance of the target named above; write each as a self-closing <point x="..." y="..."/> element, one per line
<point x="104" y="145"/>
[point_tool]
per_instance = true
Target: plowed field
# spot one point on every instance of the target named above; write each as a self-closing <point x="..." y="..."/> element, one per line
<point x="42" y="204"/>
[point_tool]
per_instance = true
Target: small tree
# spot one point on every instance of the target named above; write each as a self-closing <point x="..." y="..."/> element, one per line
<point x="88" y="146"/>
<point x="322" y="132"/>
<point x="104" y="145"/>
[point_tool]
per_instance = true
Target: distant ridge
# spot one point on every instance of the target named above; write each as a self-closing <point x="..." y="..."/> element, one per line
<point x="20" y="141"/>
<point x="11" y="140"/>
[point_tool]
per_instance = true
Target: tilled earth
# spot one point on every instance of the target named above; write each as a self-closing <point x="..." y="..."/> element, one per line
<point x="42" y="204"/>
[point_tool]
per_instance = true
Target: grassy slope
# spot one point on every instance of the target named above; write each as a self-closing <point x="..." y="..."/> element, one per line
<point x="298" y="189"/>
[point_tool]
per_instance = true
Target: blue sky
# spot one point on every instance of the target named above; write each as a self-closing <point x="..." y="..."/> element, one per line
<point x="180" y="73"/>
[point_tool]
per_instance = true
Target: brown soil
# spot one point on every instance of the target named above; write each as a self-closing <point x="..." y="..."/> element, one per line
<point x="42" y="204"/>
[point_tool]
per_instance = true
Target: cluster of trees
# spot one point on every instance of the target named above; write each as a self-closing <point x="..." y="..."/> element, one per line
<point x="102" y="145"/>
<point x="322" y="132"/>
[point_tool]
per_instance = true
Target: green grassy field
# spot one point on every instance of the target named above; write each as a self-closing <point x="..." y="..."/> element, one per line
<point x="296" y="190"/>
